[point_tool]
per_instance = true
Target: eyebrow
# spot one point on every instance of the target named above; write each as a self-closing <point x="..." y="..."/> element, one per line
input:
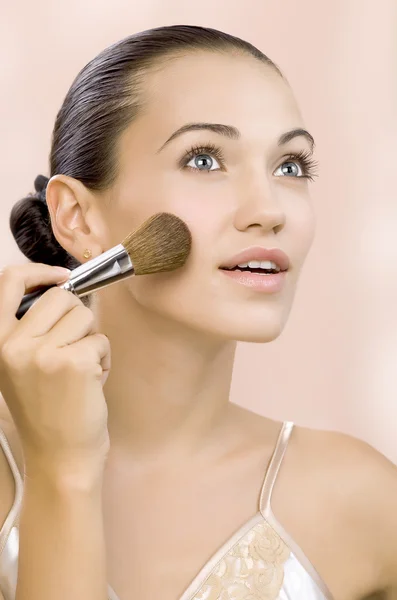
<point x="234" y="134"/>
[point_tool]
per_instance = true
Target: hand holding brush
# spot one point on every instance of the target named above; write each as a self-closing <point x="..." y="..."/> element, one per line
<point x="161" y="244"/>
<point x="53" y="362"/>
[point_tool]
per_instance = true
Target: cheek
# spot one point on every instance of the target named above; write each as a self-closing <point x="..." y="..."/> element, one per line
<point x="187" y="195"/>
<point x="310" y="228"/>
<point x="181" y="296"/>
<point x="301" y="224"/>
<point x="195" y="199"/>
<point x="203" y="208"/>
<point x="187" y="293"/>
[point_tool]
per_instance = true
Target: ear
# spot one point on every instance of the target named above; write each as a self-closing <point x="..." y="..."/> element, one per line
<point x="75" y="219"/>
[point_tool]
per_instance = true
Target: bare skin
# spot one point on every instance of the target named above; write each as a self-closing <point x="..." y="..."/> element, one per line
<point x="185" y="465"/>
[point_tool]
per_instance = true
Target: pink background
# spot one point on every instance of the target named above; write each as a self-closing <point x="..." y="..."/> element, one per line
<point x="334" y="366"/>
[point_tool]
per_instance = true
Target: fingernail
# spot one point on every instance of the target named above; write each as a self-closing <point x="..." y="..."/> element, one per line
<point x="63" y="272"/>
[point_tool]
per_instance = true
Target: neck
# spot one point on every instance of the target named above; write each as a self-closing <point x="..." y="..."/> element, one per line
<point x="168" y="388"/>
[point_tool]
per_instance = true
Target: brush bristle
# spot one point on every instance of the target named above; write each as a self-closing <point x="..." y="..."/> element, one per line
<point x="162" y="243"/>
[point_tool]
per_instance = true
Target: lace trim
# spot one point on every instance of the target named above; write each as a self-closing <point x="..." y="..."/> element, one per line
<point x="251" y="570"/>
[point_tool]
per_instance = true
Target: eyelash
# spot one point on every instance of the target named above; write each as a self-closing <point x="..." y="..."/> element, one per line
<point x="303" y="157"/>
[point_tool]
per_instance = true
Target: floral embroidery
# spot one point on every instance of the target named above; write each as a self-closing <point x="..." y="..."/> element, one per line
<point x="251" y="570"/>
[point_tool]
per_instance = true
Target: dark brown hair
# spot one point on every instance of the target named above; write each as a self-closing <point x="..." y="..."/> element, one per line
<point x="102" y="101"/>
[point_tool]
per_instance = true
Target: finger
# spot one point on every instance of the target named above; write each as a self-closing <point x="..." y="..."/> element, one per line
<point x="47" y="311"/>
<point x="15" y="281"/>
<point x="78" y="323"/>
<point x="93" y="349"/>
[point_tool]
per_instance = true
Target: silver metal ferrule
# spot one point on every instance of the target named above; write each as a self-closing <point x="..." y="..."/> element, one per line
<point x="99" y="272"/>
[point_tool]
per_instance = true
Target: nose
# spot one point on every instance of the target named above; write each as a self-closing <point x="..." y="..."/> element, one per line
<point x="258" y="206"/>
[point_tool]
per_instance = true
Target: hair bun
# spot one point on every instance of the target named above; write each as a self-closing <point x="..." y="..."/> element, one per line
<point x="40" y="185"/>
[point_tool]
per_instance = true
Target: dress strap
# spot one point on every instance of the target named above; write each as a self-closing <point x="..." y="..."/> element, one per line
<point x="13" y="515"/>
<point x="274" y="466"/>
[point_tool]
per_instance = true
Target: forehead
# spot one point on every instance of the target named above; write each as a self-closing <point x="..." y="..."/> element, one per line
<point x="216" y="87"/>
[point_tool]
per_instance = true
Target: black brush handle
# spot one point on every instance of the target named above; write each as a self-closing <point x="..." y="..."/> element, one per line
<point x="99" y="272"/>
<point x="30" y="299"/>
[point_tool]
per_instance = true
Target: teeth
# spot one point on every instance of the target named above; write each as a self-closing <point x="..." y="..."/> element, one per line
<point x="260" y="264"/>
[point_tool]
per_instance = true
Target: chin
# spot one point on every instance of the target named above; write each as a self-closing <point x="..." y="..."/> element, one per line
<point x="259" y="324"/>
<point x="253" y="330"/>
<point x="256" y="334"/>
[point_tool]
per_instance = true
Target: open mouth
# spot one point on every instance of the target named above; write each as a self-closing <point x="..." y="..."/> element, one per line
<point x="261" y="267"/>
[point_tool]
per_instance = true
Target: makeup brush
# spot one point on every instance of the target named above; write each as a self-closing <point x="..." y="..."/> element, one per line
<point x="161" y="244"/>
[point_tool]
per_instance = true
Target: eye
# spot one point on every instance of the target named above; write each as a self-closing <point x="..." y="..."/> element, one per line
<point x="298" y="165"/>
<point x="291" y="169"/>
<point x="203" y="162"/>
<point x="202" y="158"/>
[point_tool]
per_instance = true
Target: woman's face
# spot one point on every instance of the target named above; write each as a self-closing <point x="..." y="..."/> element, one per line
<point x="233" y="192"/>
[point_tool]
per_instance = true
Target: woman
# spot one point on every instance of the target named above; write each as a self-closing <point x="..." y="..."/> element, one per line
<point x="156" y="483"/>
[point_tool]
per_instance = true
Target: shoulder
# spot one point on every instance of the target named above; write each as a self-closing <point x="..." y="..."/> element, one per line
<point x="345" y="455"/>
<point x="349" y="490"/>
<point x="343" y="452"/>
<point x="362" y="483"/>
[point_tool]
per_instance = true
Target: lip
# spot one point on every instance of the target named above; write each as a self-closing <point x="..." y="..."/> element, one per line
<point x="276" y="255"/>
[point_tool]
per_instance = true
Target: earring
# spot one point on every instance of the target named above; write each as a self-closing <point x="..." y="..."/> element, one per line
<point x="87" y="253"/>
